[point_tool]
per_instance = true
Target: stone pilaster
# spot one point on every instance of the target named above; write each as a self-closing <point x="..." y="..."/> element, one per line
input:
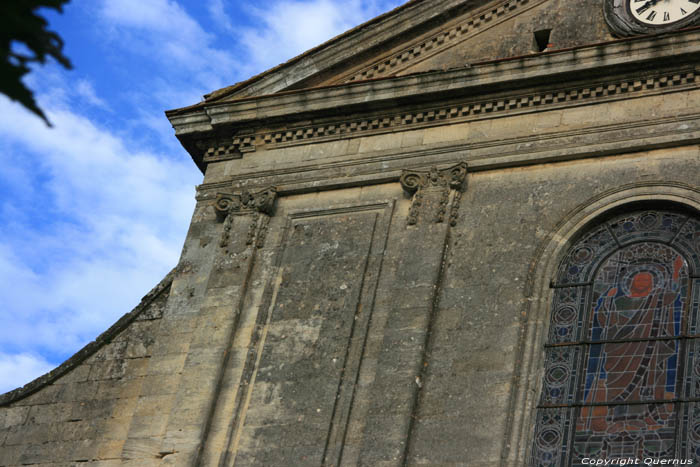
<point x="408" y="291"/>
<point x="244" y="216"/>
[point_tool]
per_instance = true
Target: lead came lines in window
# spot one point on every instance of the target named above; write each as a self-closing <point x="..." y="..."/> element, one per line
<point x="616" y="382"/>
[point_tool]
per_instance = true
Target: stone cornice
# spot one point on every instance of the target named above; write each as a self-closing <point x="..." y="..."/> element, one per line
<point x="474" y="109"/>
<point x="582" y="75"/>
<point x="362" y="38"/>
<point x="387" y="166"/>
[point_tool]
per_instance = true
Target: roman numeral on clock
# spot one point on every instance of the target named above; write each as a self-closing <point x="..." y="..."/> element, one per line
<point x="655" y="13"/>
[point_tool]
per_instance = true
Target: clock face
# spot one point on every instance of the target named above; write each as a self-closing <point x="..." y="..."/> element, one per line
<point x="662" y="12"/>
<point x="633" y="17"/>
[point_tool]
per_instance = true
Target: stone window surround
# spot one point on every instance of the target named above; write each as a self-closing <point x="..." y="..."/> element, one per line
<point x="536" y="312"/>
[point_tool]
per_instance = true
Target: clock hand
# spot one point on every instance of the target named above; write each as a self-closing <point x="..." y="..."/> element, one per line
<point x="648" y="4"/>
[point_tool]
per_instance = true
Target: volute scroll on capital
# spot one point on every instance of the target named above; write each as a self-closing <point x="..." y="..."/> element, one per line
<point x="451" y="177"/>
<point x="420" y="183"/>
<point x="245" y="202"/>
<point x="260" y="204"/>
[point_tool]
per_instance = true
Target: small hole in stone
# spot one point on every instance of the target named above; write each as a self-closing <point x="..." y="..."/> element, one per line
<point x="542" y="39"/>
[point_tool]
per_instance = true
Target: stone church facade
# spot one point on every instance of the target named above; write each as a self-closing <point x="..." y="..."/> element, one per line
<point x="465" y="233"/>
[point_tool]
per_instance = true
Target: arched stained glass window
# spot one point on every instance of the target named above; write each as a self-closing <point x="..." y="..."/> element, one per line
<point x="622" y="368"/>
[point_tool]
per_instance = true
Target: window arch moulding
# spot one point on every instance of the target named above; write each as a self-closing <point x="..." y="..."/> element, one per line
<point x="529" y="369"/>
<point x="622" y="354"/>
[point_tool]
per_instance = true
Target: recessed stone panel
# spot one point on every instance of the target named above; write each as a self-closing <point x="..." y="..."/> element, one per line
<point x="311" y="344"/>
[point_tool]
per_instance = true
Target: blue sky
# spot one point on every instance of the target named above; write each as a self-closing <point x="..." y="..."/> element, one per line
<point x="95" y="210"/>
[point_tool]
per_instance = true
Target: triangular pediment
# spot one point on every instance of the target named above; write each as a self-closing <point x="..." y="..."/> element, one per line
<point x="498" y="30"/>
<point x="424" y="35"/>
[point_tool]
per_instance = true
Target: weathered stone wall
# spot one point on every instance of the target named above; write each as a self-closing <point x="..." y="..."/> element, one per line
<point x="475" y="349"/>
<point x="82" y="411"/>
<point x="337" y="314"/>
<point x="345" y="332"/>
<point x="455" y="396"/>
<point x="368" y="286"/>
<point x="439" y="369"/>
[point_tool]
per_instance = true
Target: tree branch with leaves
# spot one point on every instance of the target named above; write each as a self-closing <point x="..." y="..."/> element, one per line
<point x="25" y="39"/>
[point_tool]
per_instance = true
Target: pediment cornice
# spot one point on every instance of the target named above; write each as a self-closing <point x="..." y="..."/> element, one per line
<point x="577" y="76"/>
<point x="422" y="48"/>
<point x="404" y="20"/>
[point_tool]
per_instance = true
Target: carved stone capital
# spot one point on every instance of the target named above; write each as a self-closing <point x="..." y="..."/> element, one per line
<point x="420" y="182"/>
<point x="260" y="203"/>
<point x="245" y="202"/>
<point x="451" y="177"/>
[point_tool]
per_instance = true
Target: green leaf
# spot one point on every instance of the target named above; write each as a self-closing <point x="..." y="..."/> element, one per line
<point x="20" y="23"/>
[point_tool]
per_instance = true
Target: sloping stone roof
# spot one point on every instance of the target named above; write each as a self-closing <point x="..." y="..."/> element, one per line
<point x="91" y="348"/>
<point x="399" y="25"/>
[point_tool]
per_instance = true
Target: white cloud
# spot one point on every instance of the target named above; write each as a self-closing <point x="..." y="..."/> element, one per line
<point x="57" y="92"/>
<point x="292" y="27"/>
<point x="92" y="216"/>
<point x="20" y="367"/>
<point x="217" y="12"/>
<point x="159" y="15"/>
<point x="86" y="91"/>
<point x="165" y="32"/>
<point x="194" y="56"/>
<point x="99" y="224"/>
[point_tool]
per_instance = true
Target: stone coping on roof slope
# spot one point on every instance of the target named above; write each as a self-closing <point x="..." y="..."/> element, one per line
<point x="204" y="117"/>
<point x="90" y="349"/>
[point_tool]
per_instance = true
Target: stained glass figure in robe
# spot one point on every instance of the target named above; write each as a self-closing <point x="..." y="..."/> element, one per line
<point x="638" y="299"/>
